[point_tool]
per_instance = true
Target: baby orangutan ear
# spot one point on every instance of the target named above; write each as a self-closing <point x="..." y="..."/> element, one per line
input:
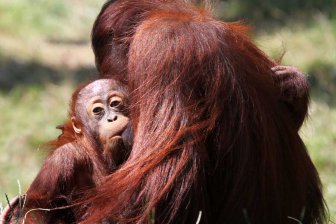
<point x="75" y="125"/>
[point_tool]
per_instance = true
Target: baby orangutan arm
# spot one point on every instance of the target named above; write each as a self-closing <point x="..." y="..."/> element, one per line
<point x="294" y="91"/>
<point x="55" y="185"/>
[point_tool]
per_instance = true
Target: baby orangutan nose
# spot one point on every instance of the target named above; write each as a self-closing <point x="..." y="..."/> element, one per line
<point x="113" y="118"/>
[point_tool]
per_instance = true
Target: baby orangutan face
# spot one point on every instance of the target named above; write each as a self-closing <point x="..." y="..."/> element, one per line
<point x="101" y="113"/>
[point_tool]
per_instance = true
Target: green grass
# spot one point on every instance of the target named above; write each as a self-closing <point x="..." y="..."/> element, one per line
<point x="45" y="53"/>
<point x="29" y="117"/>
<point x="319" y="135"/>
<point x="47" y="18"/>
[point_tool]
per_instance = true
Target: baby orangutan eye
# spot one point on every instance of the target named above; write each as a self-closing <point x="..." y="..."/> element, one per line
<point x="98" y="111"/>
<point x="115" y="102"/>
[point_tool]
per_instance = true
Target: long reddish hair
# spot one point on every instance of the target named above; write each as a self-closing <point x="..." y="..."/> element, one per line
<point x="210" y="134"/>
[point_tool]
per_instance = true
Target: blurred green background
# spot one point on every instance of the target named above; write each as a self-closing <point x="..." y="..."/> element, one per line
<point x="45" y="52"/>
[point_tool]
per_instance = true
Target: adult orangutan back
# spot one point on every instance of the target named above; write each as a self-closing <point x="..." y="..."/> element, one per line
<point x="210" y="133"/>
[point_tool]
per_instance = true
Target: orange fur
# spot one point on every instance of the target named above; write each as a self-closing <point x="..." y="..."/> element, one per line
<point x="211" y="133"/>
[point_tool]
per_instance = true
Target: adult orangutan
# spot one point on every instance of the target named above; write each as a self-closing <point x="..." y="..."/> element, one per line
<point x="215" y="130"/>
<point x="90" y="148"/>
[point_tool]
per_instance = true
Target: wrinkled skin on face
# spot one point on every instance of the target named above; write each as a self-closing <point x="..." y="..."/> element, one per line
<point x="101" y="108"/>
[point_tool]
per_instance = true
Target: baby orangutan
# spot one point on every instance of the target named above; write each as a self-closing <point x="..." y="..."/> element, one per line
<point x="89" y="149"/>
